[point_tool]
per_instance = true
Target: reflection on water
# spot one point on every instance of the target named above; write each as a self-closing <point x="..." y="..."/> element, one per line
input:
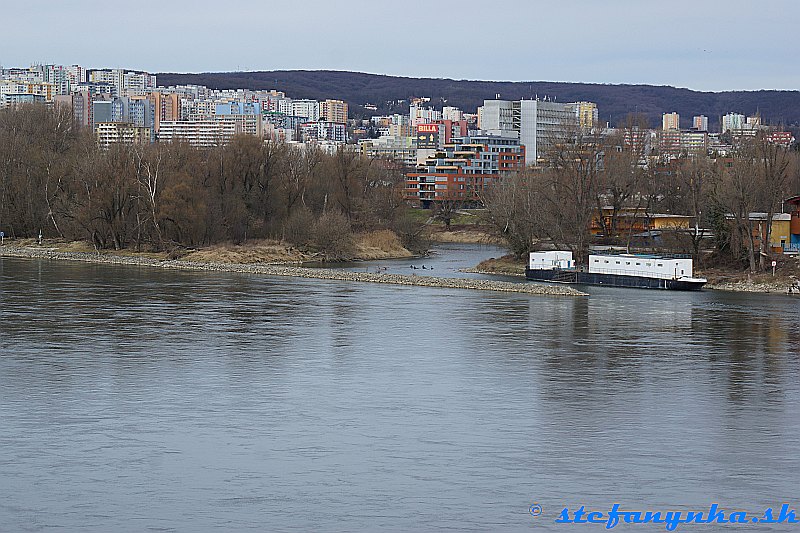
<point x="135" y="399"/>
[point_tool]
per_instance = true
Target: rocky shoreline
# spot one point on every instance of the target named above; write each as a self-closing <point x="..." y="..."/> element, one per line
<point x="292" y="271"/>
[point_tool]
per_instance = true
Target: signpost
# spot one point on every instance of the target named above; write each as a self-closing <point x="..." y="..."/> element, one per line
<point x="774" y="264"/>
<point x="427" y="136"/>
<point x="2" y="237"/>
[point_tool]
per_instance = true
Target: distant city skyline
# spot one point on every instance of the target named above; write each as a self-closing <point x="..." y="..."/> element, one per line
<point x="707" y="46"/>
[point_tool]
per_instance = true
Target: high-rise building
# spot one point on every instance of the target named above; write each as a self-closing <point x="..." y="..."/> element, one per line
<point x="124" y="82"/>
<point x="732" y="121"/>
<point x="305" y="108"/>
<point x="452" y="113"/>
<point x="700" y="123"/>
<point x="422" y="115"/>
<point x="670" y="122"/>
<point x="538" y="124"/>
<point x="333" y="111"/>
<point x="587" y="114"/>
<point x="166" y="106"/>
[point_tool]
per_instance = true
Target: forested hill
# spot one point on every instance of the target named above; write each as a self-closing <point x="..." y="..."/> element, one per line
<point x="614" y="101"/>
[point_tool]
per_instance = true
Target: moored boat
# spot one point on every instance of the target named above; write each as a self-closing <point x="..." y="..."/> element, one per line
<point x="644" y="271"/>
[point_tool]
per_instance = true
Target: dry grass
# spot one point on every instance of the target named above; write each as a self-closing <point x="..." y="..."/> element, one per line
<point x="462" y="235"/>
<point x="253" y="251"/>
<point x="382" y="244"/>
<point x="507" y="264"/>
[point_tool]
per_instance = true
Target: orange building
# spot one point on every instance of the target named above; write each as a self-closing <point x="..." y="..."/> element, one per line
<point x="167" y="107"/>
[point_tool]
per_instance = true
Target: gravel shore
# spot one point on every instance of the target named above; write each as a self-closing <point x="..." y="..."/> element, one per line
<point x="294" y="271"/>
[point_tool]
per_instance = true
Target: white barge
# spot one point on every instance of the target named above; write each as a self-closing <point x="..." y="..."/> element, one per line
<point x="645" y="271"/>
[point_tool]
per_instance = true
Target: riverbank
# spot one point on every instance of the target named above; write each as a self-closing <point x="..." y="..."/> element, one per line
<point x="461" y="235"/>
<point x="28" y="252"/>
<point x="367" y="246"/>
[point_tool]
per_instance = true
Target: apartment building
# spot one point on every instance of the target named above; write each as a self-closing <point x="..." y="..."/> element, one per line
<point x="333" y="111"/>
<point x="537" y="124"/>
<point x="198" y="133"/>
<point x="462" y="169"/>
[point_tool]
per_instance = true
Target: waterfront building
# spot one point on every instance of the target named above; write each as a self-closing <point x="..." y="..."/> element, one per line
<point x="780" y="237"/>
<point x="462" y="169"/>
<point x="637" y="221"/>
<point x="793" y="245"/>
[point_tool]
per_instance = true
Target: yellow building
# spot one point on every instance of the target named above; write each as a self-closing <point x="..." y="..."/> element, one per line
<point x="333" y="111"/>
<point x="587" y="114"/>
<point x="670" y="121"/>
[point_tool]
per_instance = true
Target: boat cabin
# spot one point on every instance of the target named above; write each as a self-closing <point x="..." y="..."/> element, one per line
<point x="552" y="260"/>
<point x="648" y="266"/>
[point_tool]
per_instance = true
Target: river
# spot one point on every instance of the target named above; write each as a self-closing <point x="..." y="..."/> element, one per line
<point x="136" y="399"/>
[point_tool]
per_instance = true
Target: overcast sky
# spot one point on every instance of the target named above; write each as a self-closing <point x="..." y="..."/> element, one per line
<point x="700" y="44"/>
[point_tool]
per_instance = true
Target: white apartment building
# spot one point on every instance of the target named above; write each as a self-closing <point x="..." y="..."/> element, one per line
<point x="452" y="113"/>
<point x="305" y="108"/>
<point x="198" y="133"/>
<point x="423" y="115"/>
<point x="536" y="123"/>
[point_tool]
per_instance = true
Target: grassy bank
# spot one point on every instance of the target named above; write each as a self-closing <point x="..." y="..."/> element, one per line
<point x="382" y="244"/>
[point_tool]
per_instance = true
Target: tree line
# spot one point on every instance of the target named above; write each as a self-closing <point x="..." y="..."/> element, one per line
<point x="54" y="179"/>
<point x="587" y="174"/>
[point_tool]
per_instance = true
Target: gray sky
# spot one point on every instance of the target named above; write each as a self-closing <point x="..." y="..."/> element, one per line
<point x="701" y="44"/>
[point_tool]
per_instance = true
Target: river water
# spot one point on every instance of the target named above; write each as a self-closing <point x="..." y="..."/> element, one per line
<point x="136" y="399"/>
